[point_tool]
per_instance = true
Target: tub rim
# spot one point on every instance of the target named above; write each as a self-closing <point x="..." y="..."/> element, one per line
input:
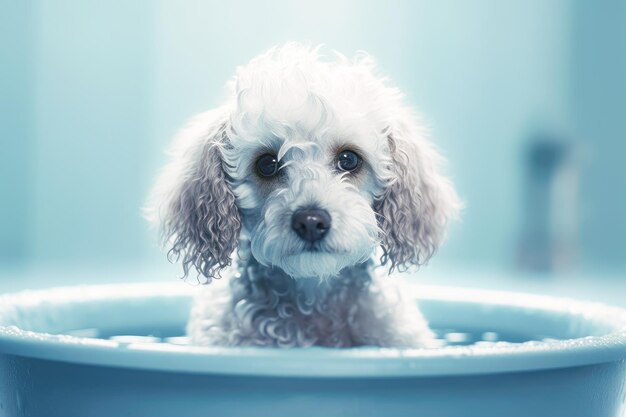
<point x="317" y="361"/>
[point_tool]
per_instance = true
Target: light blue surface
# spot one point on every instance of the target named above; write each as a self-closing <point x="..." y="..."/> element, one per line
<point x="576" y="350"/>
<point x="92" y="92"/>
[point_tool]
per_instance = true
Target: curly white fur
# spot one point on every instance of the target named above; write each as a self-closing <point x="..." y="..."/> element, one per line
<point x="304" y="107"/>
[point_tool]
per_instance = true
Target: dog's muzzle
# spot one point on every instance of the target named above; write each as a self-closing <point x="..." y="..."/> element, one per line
<point x="311" y="224"/>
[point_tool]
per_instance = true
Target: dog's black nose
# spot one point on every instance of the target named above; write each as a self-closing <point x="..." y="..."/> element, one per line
<point x="310" y="224"/>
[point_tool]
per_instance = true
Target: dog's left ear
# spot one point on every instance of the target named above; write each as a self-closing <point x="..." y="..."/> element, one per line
<point x="192" y="201"/>
<point x="415" y="209"/>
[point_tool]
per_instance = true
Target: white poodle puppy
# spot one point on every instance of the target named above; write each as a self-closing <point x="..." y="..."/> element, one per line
<point x="286" y="191"/>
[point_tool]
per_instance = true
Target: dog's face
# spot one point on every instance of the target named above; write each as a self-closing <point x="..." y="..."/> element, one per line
<point x="317" y="161"/>
<point x="306" y="189"/>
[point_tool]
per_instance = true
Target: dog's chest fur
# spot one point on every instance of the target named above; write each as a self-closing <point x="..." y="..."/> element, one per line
<point x="262" y="306"/>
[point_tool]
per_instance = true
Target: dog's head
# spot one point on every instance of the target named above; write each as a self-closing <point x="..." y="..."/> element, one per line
<point x="318" y="160"/>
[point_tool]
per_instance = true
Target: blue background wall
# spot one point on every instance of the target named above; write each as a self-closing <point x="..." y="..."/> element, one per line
<point x="91" y="93"/>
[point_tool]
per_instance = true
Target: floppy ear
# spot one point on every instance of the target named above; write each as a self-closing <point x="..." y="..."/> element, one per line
<point x="192" y="201"/>
<point x="415" y="209"/>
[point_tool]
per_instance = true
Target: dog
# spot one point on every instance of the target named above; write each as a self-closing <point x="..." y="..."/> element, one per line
<point x="310" y="185"/>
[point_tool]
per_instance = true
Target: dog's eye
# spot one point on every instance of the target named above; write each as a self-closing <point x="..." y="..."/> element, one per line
<point x="267" y="165"/>
<point x="348" y="161"/>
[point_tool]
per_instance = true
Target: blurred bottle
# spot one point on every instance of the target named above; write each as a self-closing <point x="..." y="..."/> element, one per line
<point x="550" y="223"/>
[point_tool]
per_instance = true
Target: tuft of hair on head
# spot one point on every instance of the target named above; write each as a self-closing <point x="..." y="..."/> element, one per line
<point x="192" y="202"/>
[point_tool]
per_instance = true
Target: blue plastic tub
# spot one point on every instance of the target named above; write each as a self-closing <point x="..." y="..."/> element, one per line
<point x="117" y="350"/>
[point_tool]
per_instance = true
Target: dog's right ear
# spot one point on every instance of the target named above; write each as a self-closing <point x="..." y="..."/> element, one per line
<point x="193" y="204"/>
